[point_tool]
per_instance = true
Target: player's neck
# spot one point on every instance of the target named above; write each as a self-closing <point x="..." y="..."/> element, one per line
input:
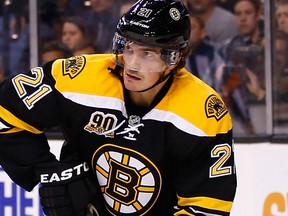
<point x="145" y="98"/>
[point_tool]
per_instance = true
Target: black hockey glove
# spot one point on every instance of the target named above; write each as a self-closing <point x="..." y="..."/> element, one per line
<point x="67" y="189"/>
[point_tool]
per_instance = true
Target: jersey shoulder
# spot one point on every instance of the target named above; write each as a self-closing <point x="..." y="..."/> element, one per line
<point x="85" y="74"/>
<point x="195" y="102"/>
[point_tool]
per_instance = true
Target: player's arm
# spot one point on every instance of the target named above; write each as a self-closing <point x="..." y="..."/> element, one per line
<point x="27" y="107"/>
<point x="205" y="175"/>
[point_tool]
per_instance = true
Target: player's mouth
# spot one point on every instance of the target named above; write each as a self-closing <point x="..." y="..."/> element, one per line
<point x="132" y="77"/>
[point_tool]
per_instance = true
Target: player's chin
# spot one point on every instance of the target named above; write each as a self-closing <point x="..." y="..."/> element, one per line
<point x="132" y="86"/>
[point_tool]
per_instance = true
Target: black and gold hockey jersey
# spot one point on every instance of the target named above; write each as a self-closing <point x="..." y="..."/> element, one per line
<point x="174" y="158"/>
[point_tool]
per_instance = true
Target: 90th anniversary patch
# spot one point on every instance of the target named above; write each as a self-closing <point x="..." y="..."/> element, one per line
<point x="73" y="66"/>
<point x="215" y="107"/>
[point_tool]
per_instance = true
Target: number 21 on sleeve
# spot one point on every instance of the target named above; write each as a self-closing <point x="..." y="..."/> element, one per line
<point x="41" y="90"/>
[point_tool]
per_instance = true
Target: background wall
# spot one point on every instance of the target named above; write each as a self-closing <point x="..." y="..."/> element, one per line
<point x="262" y="171"/>
<point x="262" y="180"/>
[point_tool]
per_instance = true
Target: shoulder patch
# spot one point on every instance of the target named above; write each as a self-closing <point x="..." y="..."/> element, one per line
<point x="215" y="107"/>
<point x="73" y="66"/>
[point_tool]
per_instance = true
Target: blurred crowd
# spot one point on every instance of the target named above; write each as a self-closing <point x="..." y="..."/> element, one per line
<point x="227" y="46"/>
<point x="66" y="28"/>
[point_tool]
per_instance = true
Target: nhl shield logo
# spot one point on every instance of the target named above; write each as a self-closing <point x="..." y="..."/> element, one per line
<point x="215" y="107"/>
<point x="73" y="66"/>
<point x="134" y="120"/>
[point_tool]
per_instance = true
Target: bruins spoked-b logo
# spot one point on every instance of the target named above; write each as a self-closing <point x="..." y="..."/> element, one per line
<point x="215" y="107"/>
<point x="129" y="181"/>
<point x="73" y="66"/>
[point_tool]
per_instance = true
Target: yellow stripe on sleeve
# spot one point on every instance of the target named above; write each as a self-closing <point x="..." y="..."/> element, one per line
<point x="206" y="202"/>
<point x="16" y="122"/>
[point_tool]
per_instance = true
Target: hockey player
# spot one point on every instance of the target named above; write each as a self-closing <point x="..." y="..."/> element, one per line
<point x="142" y="135"/>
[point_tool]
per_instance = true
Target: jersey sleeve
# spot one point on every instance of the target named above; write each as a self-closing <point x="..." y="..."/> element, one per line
<point x="28" y="106"/>
<point x="203" y="163"/>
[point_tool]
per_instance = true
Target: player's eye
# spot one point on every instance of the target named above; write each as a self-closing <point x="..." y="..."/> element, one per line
<point x="147" y="54"/>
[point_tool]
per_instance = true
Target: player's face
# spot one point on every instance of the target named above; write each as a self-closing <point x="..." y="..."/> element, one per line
<point x="143" y="66"/>
<point x="71" y="35"/>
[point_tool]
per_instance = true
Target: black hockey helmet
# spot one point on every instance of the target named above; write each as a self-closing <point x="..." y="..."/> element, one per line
<point x="158" y="23"/>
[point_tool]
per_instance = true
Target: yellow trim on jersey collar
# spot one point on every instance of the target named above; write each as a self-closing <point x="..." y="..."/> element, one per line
<point x="206" y="202"/>
<point x="16" y="122"/>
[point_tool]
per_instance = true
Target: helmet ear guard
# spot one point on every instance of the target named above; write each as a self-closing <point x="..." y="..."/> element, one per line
<point x="118" y="44"/>
<point x="170" y="57"/>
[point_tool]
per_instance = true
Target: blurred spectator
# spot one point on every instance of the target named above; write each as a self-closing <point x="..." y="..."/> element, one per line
<point x="103" y="18"/>
<point x="74" y="7"/>
<point x="280" y="81"/>
<point x="53" y="50"/>
<point x="51" y="16"/>
<point x="245" y="48"/>
<point x="241" y="80"/>
<point x="88" y="49"/>
<point x="14" y="37"/>
<point x="282" y="15"/>
<point x="227" y="4"/>
<point x="78" y="36"/>
<point x="280" y="74"/>
<point x="203" y="60"/>
<point x="2" y="70"/>
<point x="220" y="24"/>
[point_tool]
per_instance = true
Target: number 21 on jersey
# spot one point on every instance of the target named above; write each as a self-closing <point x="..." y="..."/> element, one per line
<point x="223" y="153"/>
<point x="21" y="81"/>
